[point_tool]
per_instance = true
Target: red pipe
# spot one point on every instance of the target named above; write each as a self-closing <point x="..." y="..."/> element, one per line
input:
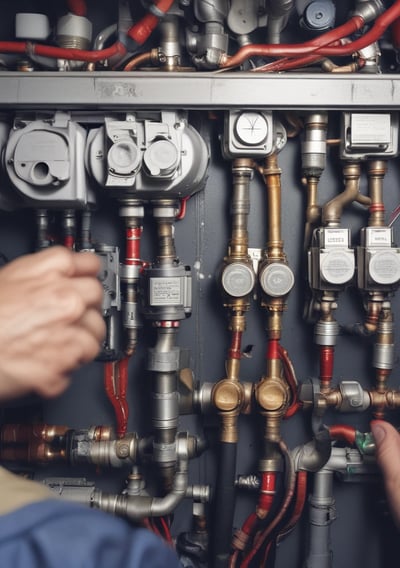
<point x="382" y="23"/>
<point x="132" y="246"/>
<point x="343" y="432"/>
<point x="326" y="358"/>
<point x="264" y="50"/>
<point x="62" y="53"/>
<point x="322" y="46"/>
<point x="69" y="242"/>
<point x="273" y="349"/>
<point x="235" y="350"/>
<point x="267" y="493"/>
<point x="116" y="386"/>
<point x="140" y="32"/>
<point x="77" y="7"/>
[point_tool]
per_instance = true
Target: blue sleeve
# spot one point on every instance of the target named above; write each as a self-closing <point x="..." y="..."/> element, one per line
<point x="54" y="533"/>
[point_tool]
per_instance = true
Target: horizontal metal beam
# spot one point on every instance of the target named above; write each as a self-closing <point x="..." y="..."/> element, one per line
<point x="121" y="90"/>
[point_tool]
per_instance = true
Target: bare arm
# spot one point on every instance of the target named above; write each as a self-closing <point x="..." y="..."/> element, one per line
<point x="50" y="320"/>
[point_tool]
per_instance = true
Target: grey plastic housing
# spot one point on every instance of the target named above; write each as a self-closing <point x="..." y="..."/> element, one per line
<point x="44" y="160"/>
<point x="148" y="156"/>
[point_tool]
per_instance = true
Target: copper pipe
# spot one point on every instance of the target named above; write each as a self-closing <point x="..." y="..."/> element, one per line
<point x="313" y="210"/>
<point x="25" y="433"/>
<point x="272" y="177"/>
<point x="373" y="311"/>
<point x="376" y="173"/>
<point x="332" y="211"/>
<point x="151" y="56"/>
<point x="166" y="241"/>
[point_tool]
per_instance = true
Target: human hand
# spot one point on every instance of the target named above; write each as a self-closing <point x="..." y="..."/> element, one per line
<point x="50" y="320"/>
<point x="387" y="440"/>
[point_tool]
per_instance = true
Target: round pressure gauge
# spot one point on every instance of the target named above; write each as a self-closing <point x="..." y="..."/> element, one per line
<point x="251" y="128"/>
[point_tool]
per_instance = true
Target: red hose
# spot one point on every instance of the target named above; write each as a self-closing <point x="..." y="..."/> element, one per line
<point x="343" y="432"/>
<point x="77" y="7"/>
<point x="141" y="31"/>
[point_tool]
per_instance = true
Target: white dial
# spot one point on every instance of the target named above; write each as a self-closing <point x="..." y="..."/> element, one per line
<point x="251" y="128"/>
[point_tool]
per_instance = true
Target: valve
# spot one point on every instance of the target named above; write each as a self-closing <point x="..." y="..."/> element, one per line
<point x="378" y="260"/>
<point x="331" y="262"/>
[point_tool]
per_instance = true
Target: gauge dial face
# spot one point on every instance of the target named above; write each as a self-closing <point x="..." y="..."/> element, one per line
<point x="251" y="128"/>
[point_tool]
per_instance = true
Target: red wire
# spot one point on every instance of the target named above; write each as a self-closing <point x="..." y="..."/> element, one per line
<point x="301" y="495"/>
<point x="182" y="210"/>
<point x="291" y="381"/>
<point x="167" y="532"/>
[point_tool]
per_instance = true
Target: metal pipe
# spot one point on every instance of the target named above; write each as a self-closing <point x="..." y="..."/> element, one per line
<point x="278" y="15"/>
<point x="332" y="211"/>
<point x="136" y="507"/>
<point x="376" y="172"/>
<point x="321" y="514"/>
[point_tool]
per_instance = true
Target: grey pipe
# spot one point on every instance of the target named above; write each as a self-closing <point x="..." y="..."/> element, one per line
<point x="211" y="11"/>
<point x="135" y="507"/>
<point x="278" y="15"/>
<point x="322" y="514"/>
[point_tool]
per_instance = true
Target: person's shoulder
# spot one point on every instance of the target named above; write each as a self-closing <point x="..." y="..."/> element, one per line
<point x="57" y="533"/>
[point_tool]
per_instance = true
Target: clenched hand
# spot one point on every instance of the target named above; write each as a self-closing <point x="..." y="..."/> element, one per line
<point x="50" y="320"/>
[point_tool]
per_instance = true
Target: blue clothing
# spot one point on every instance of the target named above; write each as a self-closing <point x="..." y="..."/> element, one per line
<point x="58" y="534"/>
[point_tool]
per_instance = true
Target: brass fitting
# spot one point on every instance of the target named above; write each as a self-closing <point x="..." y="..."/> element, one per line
<point x="228" y="398"/>
<point x="272" y="396"/>
<point x="390" y="399"/>
<point x="376" y="172"/>
<point x="272" y="392"/>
